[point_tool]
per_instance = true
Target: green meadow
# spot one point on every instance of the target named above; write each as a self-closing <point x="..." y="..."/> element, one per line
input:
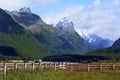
<point x="49" y="74"/>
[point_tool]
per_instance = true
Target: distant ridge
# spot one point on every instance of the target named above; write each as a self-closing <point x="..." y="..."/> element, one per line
<point x="113" y="51"/>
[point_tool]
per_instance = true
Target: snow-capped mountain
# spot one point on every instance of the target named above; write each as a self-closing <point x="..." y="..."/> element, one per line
<point x="96" y="40"/>
<point x="66" y="25"/>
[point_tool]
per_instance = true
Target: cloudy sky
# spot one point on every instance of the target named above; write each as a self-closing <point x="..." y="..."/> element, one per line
<point x="101" y="17"/>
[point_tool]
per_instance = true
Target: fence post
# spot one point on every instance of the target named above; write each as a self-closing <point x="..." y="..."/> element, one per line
<point x="51" y="64"/>
<point x="55" y="66"/>
<point x="88" y="67"/>
<point x="60" y="65"/>
<point x="46" y="65"/>
<point x="63" y="66"/>
<point x="5" y="68"/>
<point x="33" y="66"/>
<point x="42" y="65"/>
<point x="39" y="64"/>
<point x="25" y="65"/>
<point x="113" y="66"/>
<point x="101" y="67"/>
<point x="15" y="65"/>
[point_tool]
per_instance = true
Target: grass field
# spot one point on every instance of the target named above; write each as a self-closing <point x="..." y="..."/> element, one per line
<point x="49" y="74"/>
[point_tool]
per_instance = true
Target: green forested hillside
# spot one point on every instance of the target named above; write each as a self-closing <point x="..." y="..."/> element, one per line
<point x="22" y="40"/>
<point x="61" y="43"/>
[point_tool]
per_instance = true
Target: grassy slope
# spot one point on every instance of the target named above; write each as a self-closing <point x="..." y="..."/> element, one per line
<point x="60" y="75"/>
<point x="25" y="45"/>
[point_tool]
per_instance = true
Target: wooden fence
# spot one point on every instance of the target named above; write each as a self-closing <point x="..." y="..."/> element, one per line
<point x="60" y="65"/>
<point x="92" y="66"/>
<point x="43" y="65"/>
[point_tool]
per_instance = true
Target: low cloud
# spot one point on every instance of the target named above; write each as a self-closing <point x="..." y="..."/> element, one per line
<point x="42" y="2"/>
<point x="99" y="18"/>
<point x="12" y="4"/>
<point x="15" y="4"/>
<point x="53" y="17"/>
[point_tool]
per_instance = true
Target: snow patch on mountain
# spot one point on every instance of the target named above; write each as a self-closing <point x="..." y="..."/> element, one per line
<point x="96" y="40"/>
<point x="66" y="25"/>
<point x="25" y="10"/>
<point x="65" y="20"/>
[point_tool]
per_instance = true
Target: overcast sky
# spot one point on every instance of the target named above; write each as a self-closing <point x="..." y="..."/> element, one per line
<point x="101" y="17"/>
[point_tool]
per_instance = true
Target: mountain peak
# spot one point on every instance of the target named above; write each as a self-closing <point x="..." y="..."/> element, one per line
<point x="25" y="10"/>
<point x="26" y="17"/>
<point x="65" y="19"/>
<point x="66" y="25"/>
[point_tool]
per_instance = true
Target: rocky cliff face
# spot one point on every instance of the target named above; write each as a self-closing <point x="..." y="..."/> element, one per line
<point x="26" y="17"/>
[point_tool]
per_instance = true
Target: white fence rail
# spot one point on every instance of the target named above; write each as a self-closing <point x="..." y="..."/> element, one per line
<point x="55" y="65"/>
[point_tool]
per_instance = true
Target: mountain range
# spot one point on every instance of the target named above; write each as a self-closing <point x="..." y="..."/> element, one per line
<point x="112" y="52"/>
<point x="97" y="41"/>
<point x="26" y="35"/>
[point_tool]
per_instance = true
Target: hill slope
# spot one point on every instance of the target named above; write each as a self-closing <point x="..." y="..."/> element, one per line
<point x="21" y="40"/>
<point x="117" y="43"/>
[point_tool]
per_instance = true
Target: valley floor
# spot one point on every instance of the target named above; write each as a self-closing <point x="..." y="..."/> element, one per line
<point x="39" y="74"/>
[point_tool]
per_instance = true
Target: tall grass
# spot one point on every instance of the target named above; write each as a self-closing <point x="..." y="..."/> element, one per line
<point x="49" y="74"/>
